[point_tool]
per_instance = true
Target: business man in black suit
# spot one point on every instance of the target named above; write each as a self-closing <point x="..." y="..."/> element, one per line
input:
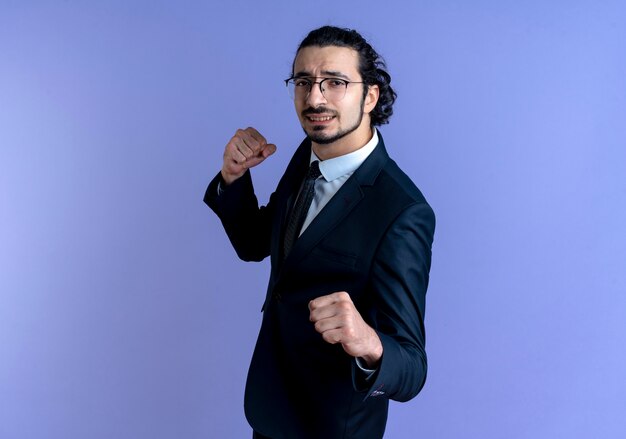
<point x="349" y="237"/>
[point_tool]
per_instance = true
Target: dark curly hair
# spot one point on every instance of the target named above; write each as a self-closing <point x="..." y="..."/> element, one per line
<point x="372" y="67"/>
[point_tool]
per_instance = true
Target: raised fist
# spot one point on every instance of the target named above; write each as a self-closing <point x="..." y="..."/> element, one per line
<point x="245" y="150"/>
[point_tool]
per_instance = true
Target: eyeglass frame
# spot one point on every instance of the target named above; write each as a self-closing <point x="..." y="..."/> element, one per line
<point x="308" y="78"/>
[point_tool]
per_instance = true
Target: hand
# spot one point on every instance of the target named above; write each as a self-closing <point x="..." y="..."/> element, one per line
<point x="338" y="320"/>
<point x="245" y="150"/>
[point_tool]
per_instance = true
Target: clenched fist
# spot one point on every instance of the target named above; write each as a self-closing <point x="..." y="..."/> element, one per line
<point x="338" y="320"/>
<point x="245" y="150"/>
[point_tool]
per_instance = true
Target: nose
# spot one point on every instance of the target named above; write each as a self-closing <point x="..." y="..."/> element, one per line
<point x="315" y="96"/>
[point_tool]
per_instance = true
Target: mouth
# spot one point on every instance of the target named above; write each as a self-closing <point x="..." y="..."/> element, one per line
<point x="319" y="119"/>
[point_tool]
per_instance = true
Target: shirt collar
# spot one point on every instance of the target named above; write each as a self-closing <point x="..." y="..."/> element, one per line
<point x="336" y="167"/>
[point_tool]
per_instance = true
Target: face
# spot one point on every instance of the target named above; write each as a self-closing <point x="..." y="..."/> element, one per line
<point x="336" y="123"/>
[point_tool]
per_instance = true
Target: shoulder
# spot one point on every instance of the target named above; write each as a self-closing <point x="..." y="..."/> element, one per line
<point x="398" y="183"/>
<point x="409" y="203"/>
<point x="395" y="200"/>
<point x="384" y="175"/>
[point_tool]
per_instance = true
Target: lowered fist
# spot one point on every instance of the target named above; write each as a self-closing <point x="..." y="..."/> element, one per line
<point x="337" y="319"/>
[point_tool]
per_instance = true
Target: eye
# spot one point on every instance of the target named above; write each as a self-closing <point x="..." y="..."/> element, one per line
<point x="336" y="83"/>
<point x="301" y="82"/>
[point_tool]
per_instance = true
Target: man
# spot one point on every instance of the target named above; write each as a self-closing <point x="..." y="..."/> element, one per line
<point x="349" y="237"/>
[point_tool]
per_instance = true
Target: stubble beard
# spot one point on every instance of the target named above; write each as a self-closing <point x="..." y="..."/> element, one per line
<point x="318" y="136"/>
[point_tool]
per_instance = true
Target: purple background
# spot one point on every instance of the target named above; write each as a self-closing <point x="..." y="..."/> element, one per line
<point x="124" y="312"/>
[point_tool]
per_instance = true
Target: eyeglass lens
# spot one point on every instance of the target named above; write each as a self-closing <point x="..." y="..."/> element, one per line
<point x="331" y="88"/>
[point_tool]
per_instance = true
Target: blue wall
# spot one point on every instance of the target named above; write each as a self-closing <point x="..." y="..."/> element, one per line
<point x="124" y="312"/>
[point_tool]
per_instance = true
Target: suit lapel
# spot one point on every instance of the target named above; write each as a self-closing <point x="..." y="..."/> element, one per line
<point x="286" y="193"/>
<point x="327" y="219"/>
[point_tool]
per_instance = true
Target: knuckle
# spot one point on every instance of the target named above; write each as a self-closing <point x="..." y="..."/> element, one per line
<point x="349" y="332"/>
<point x="232" y="145"/>
<point x="344" y="306"/>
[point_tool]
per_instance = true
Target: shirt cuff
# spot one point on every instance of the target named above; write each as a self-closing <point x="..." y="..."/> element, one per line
<point x="367" y="372"/>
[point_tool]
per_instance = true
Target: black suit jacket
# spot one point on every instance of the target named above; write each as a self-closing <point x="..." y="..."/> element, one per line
<point x="373" y="239"/>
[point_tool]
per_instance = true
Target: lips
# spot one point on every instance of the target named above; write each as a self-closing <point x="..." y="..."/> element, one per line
<point x="320" y="118"/>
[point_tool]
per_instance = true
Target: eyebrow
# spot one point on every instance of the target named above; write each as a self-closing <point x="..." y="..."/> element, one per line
<point x="331" y="73"/>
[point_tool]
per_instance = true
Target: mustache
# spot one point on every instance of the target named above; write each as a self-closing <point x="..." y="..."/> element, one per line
<point x="318" y="110"/>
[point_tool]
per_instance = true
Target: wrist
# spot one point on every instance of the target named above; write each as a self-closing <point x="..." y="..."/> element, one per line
<point x="373" y="356"/>
<point x="228" y="178"/>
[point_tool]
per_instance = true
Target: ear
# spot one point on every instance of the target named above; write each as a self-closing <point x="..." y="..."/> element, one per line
<point x="371" y="98"/>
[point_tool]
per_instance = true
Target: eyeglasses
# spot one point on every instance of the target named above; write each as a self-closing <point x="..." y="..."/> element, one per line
<point x="333" y="89"/>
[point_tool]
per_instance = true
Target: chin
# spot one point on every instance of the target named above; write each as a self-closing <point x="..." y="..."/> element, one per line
<point x="318" y="136"/>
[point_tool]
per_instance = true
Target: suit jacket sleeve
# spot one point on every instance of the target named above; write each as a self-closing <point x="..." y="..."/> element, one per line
<point x="247" y="225"/>
<point x="399" y="281"/>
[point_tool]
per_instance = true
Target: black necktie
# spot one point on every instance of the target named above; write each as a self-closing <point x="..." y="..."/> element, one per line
<point x="301" y="209"/>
